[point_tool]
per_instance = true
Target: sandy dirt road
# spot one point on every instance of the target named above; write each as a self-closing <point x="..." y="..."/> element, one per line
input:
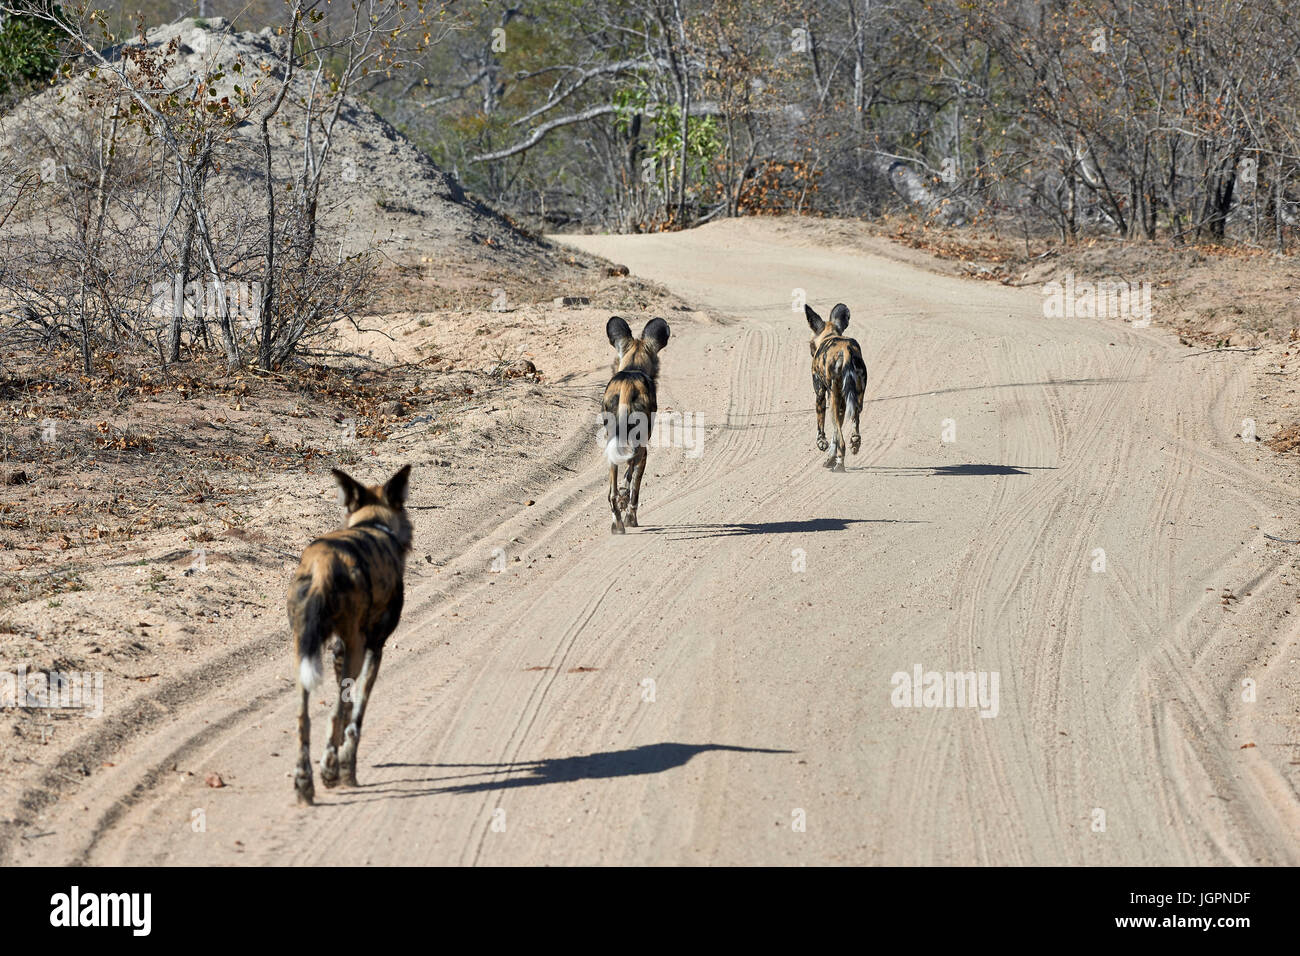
<point x="510" y="725"/>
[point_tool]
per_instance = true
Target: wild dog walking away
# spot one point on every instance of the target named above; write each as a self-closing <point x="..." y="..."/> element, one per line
<point x="838" y="372"/>
<point x="348" y="586"/>
<point x="629" y="409"/>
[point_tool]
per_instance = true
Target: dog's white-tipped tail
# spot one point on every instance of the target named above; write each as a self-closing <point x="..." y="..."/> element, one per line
<point x="309" y="671"/>
<point x="616" y="453"/>
<point x="309" y="632"/>
<point x="619" y="449"/>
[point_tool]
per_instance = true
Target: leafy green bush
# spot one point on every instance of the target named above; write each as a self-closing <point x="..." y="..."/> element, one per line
<point x="29" y="52"/>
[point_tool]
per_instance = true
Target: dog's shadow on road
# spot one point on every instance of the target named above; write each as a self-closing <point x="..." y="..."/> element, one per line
<point x="633" y="762"/>
<point x="955" y="471"/>
<point x="689" y="532"/>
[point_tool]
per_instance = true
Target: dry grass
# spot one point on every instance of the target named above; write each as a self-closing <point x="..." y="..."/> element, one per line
<point x="120" y="457"/>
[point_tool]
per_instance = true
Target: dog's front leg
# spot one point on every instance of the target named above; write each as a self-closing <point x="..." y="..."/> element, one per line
<point x="636" y="469"/>
<point x="329" y="763"/>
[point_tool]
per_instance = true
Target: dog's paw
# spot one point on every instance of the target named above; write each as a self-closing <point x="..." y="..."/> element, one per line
<point x="303" y="786"/>
<point x="855" y="444"/>
<point x="822" y="443"/>
<point x="329" y="769"/>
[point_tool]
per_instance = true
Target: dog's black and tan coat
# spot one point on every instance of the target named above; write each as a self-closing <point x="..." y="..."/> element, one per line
<point x="348" y="586"/>
<point x="628" y="411"/>
<point x="838" y="373"/>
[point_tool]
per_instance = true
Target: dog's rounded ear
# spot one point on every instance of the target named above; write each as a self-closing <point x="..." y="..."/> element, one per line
<point x="815" y="321"/>
<point x="351" y="494"/>
<point x="656" y="333"/>
<point x="617" y="331"/>
<point x="840" y="317"/>
<point x="395" y="488"/>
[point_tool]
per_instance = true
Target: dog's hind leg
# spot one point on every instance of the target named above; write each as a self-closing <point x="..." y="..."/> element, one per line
<point x="820" y="392"/>
<point x="836" y="461"/>
<point x="302" y="776"/>
<point x="361" y="695"/>
<point x="617" y="526"/>
<point x="859" y="396"/>
<point x="329" y="762"/>
<point x="625" y="493"/>
<point x="636" y="468"/>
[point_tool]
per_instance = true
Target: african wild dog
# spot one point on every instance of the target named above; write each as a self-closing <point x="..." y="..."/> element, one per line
<point x="837" y="371"/>
<point x="629" y="409"/>
<point x="349" y="586"/>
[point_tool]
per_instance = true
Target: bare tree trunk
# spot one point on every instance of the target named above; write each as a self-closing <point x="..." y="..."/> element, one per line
<point x="634" y="149"/>
<point x="685" y="88"/>
<point x="183" y="273"/>
<point x="859" y="28"/>
<point x="1279" y="225"/>
<point x="1072" y="206"/>
<point x="268" y="280"/>
<point x="193" y="177"/>
<point x="83" y="311"/>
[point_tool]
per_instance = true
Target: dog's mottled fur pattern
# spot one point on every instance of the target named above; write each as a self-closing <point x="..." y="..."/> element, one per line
<point x="839" y="373"/>
<point x="348" y="586"/>
<point x="629" y="408"/>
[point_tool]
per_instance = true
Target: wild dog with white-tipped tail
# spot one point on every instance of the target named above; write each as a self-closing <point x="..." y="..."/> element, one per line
<point x="838" y="372"/>
<point x="349" y="587"/>
<point x="629" y="408"/>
